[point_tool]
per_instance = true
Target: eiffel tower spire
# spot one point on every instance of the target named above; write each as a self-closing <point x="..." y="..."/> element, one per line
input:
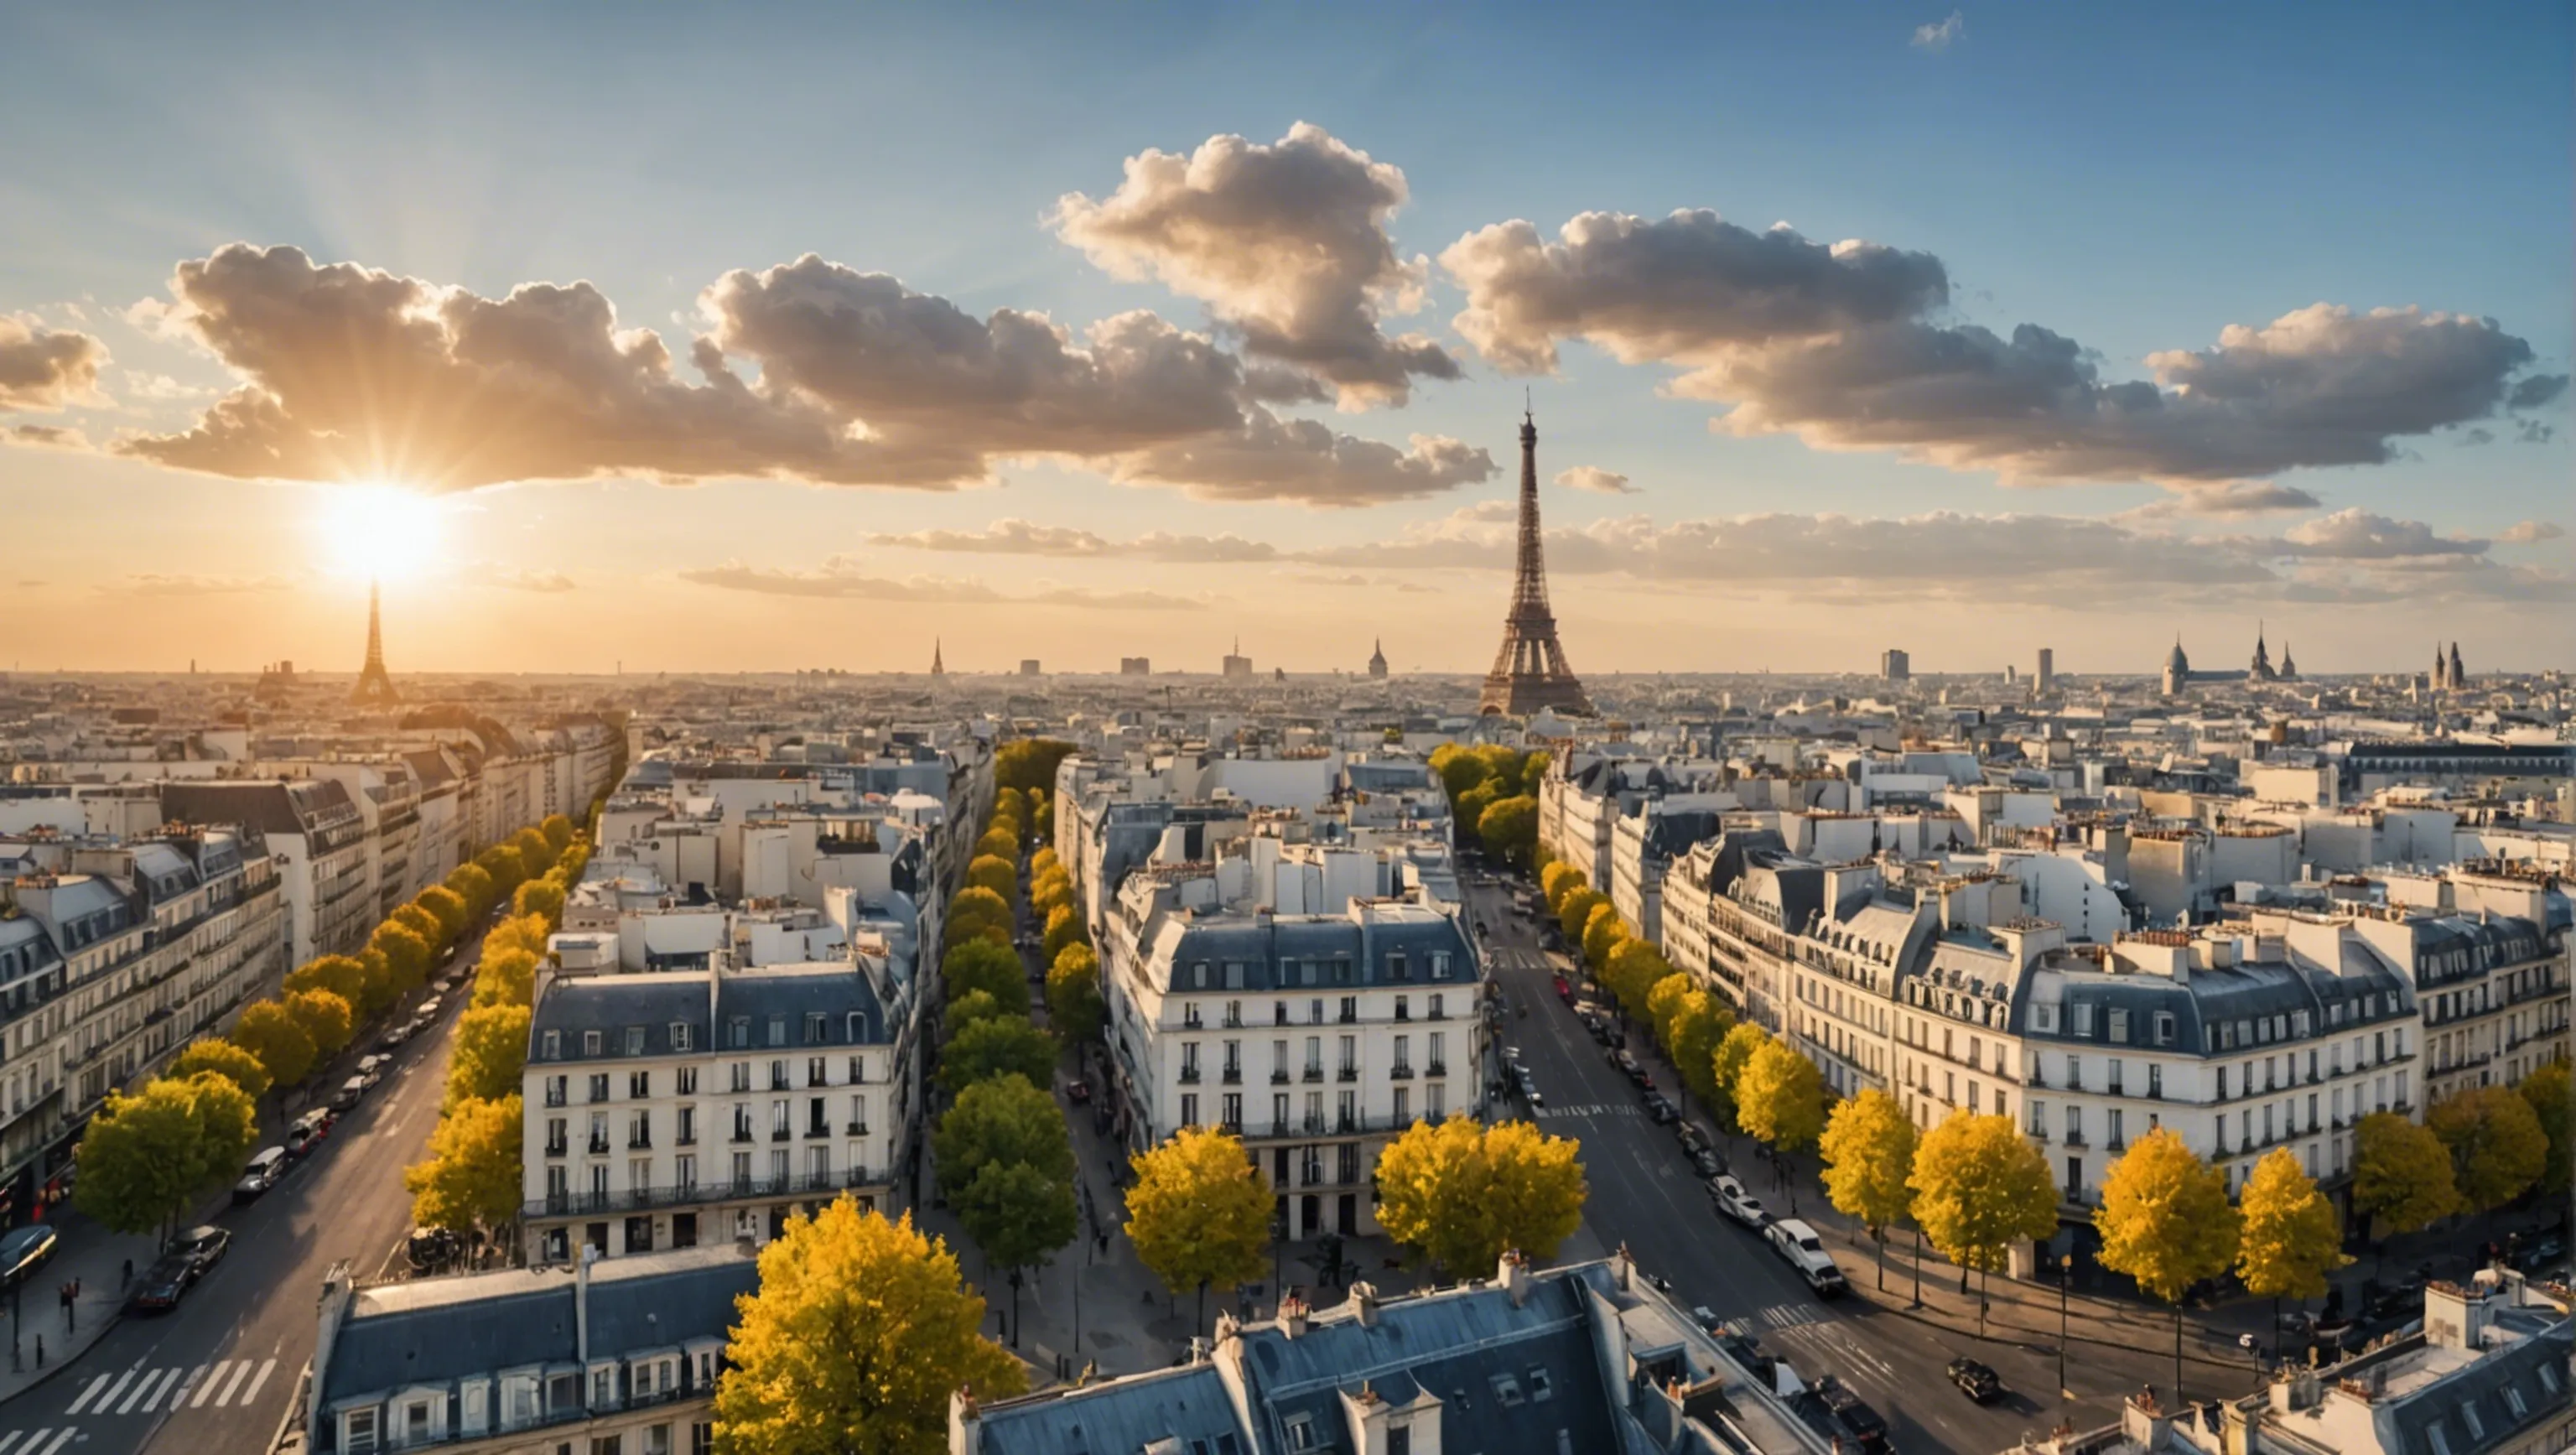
<point x="1530" y="672"/>
<point x="938" y="665"/>
<point x="375" y="686"/>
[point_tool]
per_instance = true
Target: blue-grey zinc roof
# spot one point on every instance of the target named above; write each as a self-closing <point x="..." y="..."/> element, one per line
<point x="1187" y="1404"/>
<point x="610" y="1004"/>
<point x="760" y="995"/>
<point x="2481" y="1385"/>
<point x="449" y="1341"/>
<point x="1273" y="955"/>
<point x="631" y="1314"/>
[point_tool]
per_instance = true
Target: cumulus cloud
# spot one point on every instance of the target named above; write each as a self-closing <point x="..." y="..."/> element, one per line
<point x="2361" y="535"/>
<point x="1938" y="34"/>
<point x="843" y="578"/>
<point x="139" y="385"/>
<point x="1597" y="481"/>
<point x="1012" y="537"/>
<point x="355" y="373"/>
<point x="2531" y="532"/>
<point x="44" y="436"/>
<point x="42" y="369"/>
<point x="1286" y="241"/>
<point x="2226" y="501"/>
<point x="2536" y="390"/>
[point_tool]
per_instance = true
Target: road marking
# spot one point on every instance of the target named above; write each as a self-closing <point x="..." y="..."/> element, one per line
<point x="240" y="1368"/>
<point x="179" y="1394"/>
<point x="60" y="1440"/>
<point x="110" y="1397"/>
<point x="33" y="1440"/>
<point x="257" y="1380"/>
<point x="151" y="1381"/>
<point x="85" y="1396"/>
<point x="11" y="1438"/>
<point x="208" y="1387"/>
<point x="177" y="1374"/>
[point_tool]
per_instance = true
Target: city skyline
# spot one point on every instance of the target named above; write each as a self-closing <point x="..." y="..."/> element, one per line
<point x="1246" y="359"/>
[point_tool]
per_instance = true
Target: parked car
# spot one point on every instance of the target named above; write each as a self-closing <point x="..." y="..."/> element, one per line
<point x="1867" y="1430"/>
<point x="164" y="1284"/>
<point x="1799" y="1247"/>
<point x="1708" y="1321"/>
<point x="396" y="1034"/>
<point x="430" y="1249"/>
<point x="1660" y="1108"/>
<point x="24" y="1250"/>
<point x="351" y="1092"/>
<point x="261" y="1175"/>
<point x="373" y="1067"/>
<point x="309" y="1131"/>
<point x="1731" y="1199"/>
<point x="207" y="1245"/>
<point x="443" y="984"/>
<point x="428" y="1010"/>
<point x="1707" y="1163"/>
<point x="1693" y="1140"/>
<point x="1977" y="1381"/>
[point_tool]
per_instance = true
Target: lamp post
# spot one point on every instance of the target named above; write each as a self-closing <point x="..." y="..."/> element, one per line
<point x="2065" y="1275"/>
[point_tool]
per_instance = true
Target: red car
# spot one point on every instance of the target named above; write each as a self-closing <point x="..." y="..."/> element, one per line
<point x="1564" y="990"/>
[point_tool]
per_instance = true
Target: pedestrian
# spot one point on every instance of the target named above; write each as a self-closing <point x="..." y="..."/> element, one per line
<point x="128" y="1280"/>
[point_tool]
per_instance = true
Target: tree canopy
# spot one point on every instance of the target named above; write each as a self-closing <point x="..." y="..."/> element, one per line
<point x="147" y="1158"/>
<point x="1780" y="1098"/>
<point x="1979" y="1187"/>
<point x="1459" y="1194"/>
<point x="491" y="1053"/>
<point x="2553" y="1102"/>
<point x="471" y="1176"/>
<point x="2401" y="1173"/>
<point x="997" y="1045"/>
<point x="1063" y="929"/>
<point x="2164" y="1217"/>
<point x="859" y="1333"/>
<point x="324" y="1017"/>
<point x="981" y="965"/>
<point x="989" y="871"/>
<point x="1558" y="880"/>
<point x="1509" y="827"/>
<point x="1726" y="1067"/>
<point x="1073" y="995"/>
<point x="1199" y="1211"/>
<point x="1603" y="932"/>
<point x="1016" y="1213"/>
<point x="2496" y="1144"/>
<point x="224" y="1059"/>
<point x="267" y="1030"/>
<point x="1574" y="911"/>
<point x="1006" y="1119"/>
<point x="2290" y="1239"/>
<point x="1027" y="765"/>
<point x="1868" y="1147"/>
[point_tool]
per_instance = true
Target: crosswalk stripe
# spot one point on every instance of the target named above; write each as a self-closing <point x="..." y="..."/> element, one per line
<point x="11" y="1438"/>
<point x="169" y="1381"/>
<point x="60" y="1441"/>
<point x="115" y="1389"/>
<point x="179" y="1391"/>
<point x="151" y="1380"/>
<point x="213" y="1377"/>
<point x="33" y="1440"/>
<point x="86" y="1396"/>
<point x="240" y="1368"/>
<point x="257" y="1380"/>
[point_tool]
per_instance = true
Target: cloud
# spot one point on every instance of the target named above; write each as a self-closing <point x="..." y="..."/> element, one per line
<point x="1596" y="480"/>
<point x="1011" y="537"/>
<point x="149" y="583"/>
<point x="355" y="373"/>
<point x="1688" y="288"/>
<point x="516" y="578"/>
<point x="1286" y="241"/>
<point x="842" y="578"/>
<point x="2531" y="532"/>
<point x="1937" y="35"/>
<point x="2361" y="535"/>
<point x="44" y="370"/>
<point x="140" y="385"/>
<point x="44" y="436"/>
<point x="2226" y="501"/>
<point x="2535" y="391"/>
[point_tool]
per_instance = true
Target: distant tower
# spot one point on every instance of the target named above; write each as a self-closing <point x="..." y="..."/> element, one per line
<point x="1377" y="659"/>
<point x="2045" y="680"/>
<point x="1895" y="665"/>
<point x="2261" y="670"/>
<point x="1236" y="663"/>
<point x="2458" y="680"/>
<point x="1530" y="672"/>
<point x="375" y="686"/>
<point x="2289" y="665"/>
<point x="2177" y="671"/>
<point x="938" y="662"/>
<point x="2441" y="669"/>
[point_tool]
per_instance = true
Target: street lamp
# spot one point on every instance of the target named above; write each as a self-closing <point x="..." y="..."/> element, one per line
<point x="2065" y="1275"/>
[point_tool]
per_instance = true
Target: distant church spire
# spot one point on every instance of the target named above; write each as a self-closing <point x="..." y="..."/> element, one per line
<point x="938" y="664"/>
<point x="375" y="685"/>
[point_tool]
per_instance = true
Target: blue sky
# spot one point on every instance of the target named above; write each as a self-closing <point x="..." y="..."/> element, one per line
<point x="2136" y="180"/>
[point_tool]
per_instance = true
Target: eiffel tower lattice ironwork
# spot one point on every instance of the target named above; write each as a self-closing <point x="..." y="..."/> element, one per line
<point x="1530" y="672"/>
<point x="375" y="685"/>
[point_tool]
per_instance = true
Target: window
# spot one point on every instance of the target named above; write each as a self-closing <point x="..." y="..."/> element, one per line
<point x="2084" y="1018"/>
<point x="814" y="1023"/>
<point x="778" y="1030"/>
<point x="2119" y="1026"/>
<point x="687" y="1077"/>
<point x="590" y="1043"/>
<point x="741" y="1026"/>
<point x="639" y="1085"/>
<point x="679" y="1035"/>
<point x="1507" y="1390"/>
<point x="1189" y="1109"/>
<point x="857" y="1029"/>
<point x="634" y="1040"/>
<point x="554" y="1045"/>
<point x="1301" y="1432"/>
<point x="358" y="1430"/>
<point x="1539" y="1386"/>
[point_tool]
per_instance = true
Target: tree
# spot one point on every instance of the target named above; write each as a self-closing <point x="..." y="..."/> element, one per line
<point x="2290" y="1240"/>
<point x="491" y="1053"/>
<point x="542" y="898"/>
<point x="405" y="952"/>
<point x="472" y="1176"/>
<point x="987" y="871"/>
<point x="280" y="1042"/>
<point x="501" y="864"/>
<point x="982" y="965"/>
<point x="965" y="1010"/>
<point x="999" y="843"/>
<point x="534" y="852"/>
<point x="1063" y="931"/>
<point x="147" y="1158"/>
<point x="1979" y="1188"/>
<point x="1459" y="769"/>
<point x="1006" y="1119"/>
<point x="998" y="1045"/>
<point x="1726" y="1067"/>
<point x="420" y="922"/>
<point x="1780" y="1098"/>
<point x="325" y="1017"/>
<point x="1010" y="803"/>
<point x="376" y="988"/>
<point x="342" y="975"/>
<point x="224" y="1059"/>
<point x="861" y="1331"/>
<point x="1558" y="880"/>
<point x="1574" y="911"/>
<point x="1017" y="1215"/>
<point x="1460" y="1194"/>
<point x="505" y="976"/>
<point x="1509" y="827"/>
<point x="1698" y="1025"/>
<point x="1027" y="765"/>
<point x="1049" y="892"/>
<point x="2496" y="1143"/>
<point x="1043" y="861"/>
<point x="1073" y="995"/>
<point x="2401" y="1174"/>
<point x="1632" y="972"/>
<point x="1869" y="1155"/>
<point x="2166" y="1222"/>
<point x="1603" y="931"/>
<point x="1534" y="770"/>
<point x="1199" y="1212"/>
<point x="2553" y="1102"/>
<point x="975" y="909"/>
<point x="558" y="832"/>
<point x="469" y="883"/>
<point x="448" y="908"/>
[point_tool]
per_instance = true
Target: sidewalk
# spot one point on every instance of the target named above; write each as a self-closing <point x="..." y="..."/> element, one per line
<point x="94" y="1256"/>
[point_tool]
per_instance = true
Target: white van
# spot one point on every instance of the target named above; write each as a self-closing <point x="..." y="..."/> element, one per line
<point x="351" y="1092"/>
<point x="261" y="1174"/>
<point x="1798" y="1246"/>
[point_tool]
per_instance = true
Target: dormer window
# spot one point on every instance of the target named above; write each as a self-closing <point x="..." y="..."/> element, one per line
<point x="741" y="1032"/>
<point x="634" y="1040"/>
<point x="553" y="1046"/>
<point x="778" y="1030"/>
<point x="858" y="1026"/>
<point x="815" y="1021"/>
<point x="679" y="1035"/>
<point x="590" y="1043"/>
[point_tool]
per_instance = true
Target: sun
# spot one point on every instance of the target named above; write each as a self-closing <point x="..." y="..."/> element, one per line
<point x="379" y="532"/>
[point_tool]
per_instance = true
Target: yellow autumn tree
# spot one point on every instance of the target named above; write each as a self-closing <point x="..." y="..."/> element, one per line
<point x="2166" y="1222"/>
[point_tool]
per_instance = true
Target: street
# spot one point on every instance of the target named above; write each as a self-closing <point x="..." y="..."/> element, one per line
<point x="217" y="1373"/>
<point x="1645" y="1193"/>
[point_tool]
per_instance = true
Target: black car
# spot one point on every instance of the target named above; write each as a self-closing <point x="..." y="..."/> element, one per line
<point x="24" y="1250"/>
<point x="204" y="1246"/>
<point x="1975" y="1380"/>
<point x="1867" y="1430"/>
<point x="164" y="1284"/>
<point x="1660" y="1108"/>
<point x="1708" y="1163"/>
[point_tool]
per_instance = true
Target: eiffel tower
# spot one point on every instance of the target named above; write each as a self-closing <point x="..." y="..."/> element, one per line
<point x="1530" y="672"/>
<point x="375" y="686"/>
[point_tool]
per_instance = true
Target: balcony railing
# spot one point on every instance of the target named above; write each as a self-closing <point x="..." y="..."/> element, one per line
<point x="1189" y="1076"/>
<point x="818" y="1129"/>
<point x="556" y="1149"/>
<point x="563" y="1204"/>
<point x="1436" y="1068"/>
<point x="1232" y="1076"/>
<point x="855" y="1129"/>
<point x="1279" y="1078"/>
<point x="639" y="1141"/>
<point x="1314" y="1073"/>
<point x="1400" y="1072"/>
<point x="599" y="1144"/>
<point x="781" y="1134"/>
<point x="1347" y="1073"/>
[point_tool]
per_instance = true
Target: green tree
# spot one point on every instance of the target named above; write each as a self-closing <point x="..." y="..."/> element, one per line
<point x="1780" y="1098"/>
<point x="542" y="898"/>
<point x="2553" y="1102"/>
<point x="965" y="1010"/>
<point x="1869" y="1158"/>
<point x="2290" y="1240"/>
<point x="2496" y="1143"/>
<point x="1574" y="911"/>
<point x="491" y="1053"/>
<point x="471" y="1177"/>
<point x="2401" y="1174"/>
<point x="975" y="909"/>
<point x="1063" y="930"/>
<point x="448" y="908"/>
<point x="469" y="883"/>
<point x="405" y="952"/>
<point x="1459" y="1194"/>
<point x="281" y="1043"/>
<point x="1509" y="827"/>
<point x="342" y="975"/>
<point x="1073" y="995"/>
<point x="2166" y="1222"/>
<point x="1603" y="932"/>
<point x="1017" y="1215"/>
<point x="996" y="874"/>
<point x="224" y="1059"/>
<point x="982" y="965"/>
<point x="1726" y="1067"/>
<point x="861" y="1331"/>
<point x="1007" y="1119"/>
<point x="996" y="1046"/>
<point x="1979" y="1188"/>
<point x="1199" y="1212"/>
<point x="1558" y="880"/>
<point x="147" y="1158"/>
<point x="505" y="976"/>
<point x="325" y="1017"/>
